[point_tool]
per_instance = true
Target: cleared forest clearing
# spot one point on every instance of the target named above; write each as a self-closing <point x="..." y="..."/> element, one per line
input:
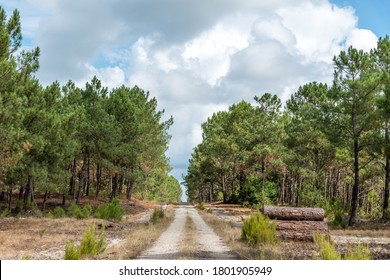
<point x="46" y="238"/>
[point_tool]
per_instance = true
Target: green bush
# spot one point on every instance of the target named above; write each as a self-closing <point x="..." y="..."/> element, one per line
<point x="50" y="215"/>
<point x="111" y="211"/>
<point x="5" y="213"/>
<point x="257" y="229"/>
<point x="328" y="251"/>
<point x="201" y="206"/>
<point x="90" y="245"/>
<point x="59" y="212"/>
<point x="86" y="211"/>
<point x="326" y="248"/>
<point x="80" y="213"/>
<point x="158" y="213"/>
<point x="72" y="252"/>
<point x="360" y="252"/>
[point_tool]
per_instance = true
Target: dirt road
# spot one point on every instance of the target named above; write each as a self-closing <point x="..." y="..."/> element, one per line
<point x="208" y="244"/>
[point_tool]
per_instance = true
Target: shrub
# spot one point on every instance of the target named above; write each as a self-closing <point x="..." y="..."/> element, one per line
<point x="201" y="206"/>
<point x="360" y="252"/>
<point x="91" y="244"/>
<point x="50" y="215"/>
<point x="326" y="248"/>
<point x="59" y="212"/>
<point x="111" y="211"/>
<point x="72" y="252"/>
<point x="74" y="211"/>
<point x="80" y="213"/>
<point x="86" y="211"/>
<point x="257" y="229"/>
<point x="158" y="213"/>
<point x="338" y="221"/>
<point x="5" y="213"/>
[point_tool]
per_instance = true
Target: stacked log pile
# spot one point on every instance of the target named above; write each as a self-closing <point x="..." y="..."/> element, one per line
<point x="297" y="223"/>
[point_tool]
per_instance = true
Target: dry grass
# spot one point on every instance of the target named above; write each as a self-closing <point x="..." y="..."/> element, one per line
<point x="28" y="236"/>
<point x="140" y="238"/>
<point x="231" y="234"/>
<point x="188" y="246"/>
<point x="44" y="238"/>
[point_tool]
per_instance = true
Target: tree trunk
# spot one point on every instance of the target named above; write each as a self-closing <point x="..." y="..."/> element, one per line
<point x="63" y="199"/>
<point x="98" y="179"/>
<point x="263" y="182"/>
<point x="72" y="182"/>
<point x="129" y="188"/>
<point x="386" y="192"/>
<point x="45" y="198"/>
<point x="355" y="190"/>
<point x="295" y="214"/>
<point x="88" y="177"/>
<point x="9" y="199"/>
<point x="29" y="193"/>
<point x="386" y="215"/>
<point x="114" y="187"/>
<point x="300" y="230"/>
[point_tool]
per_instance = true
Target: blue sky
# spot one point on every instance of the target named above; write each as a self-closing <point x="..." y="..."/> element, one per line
<point x="373" y="14"/>
<point x="197" y="57"/>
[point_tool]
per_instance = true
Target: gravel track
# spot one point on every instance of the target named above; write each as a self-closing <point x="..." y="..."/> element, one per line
<point x="208" y="244"/>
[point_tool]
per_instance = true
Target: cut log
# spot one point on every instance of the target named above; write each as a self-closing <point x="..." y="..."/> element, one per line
<point x="300" y="230"/>
<point x="294" y="214"/>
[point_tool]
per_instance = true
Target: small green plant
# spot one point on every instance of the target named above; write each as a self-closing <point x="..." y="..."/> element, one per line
<point x="72" y="251"/>
<point x="80" y="213"/>
<point x="50" y="215"/>
<point x="59" y="212"/>
<point x="158" y="213"/>
<point x="201" y="206"/>
<point x="90" y="245"/>
<point x="326" y="248"/>
<point x="338" y="221"/>
<point x="257" y="229"/>
<point x="26" y="258"/>
<point x="360" y="252"/>
<point x="4" y="213"/>
<point x="42" y="232"/>
<point x="110" y="211"/>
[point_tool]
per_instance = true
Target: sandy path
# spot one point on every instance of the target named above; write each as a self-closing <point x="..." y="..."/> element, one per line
<point x="208" y="244"/>
<point x="167" y="246"/>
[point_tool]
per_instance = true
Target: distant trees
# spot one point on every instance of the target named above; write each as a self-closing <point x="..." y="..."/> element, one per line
<point x="329" y="147"/>
<point x="75" y="142"/>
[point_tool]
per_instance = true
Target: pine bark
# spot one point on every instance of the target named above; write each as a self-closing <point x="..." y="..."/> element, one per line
<point x="300" y="230"/>
<point x="294" y="213"/>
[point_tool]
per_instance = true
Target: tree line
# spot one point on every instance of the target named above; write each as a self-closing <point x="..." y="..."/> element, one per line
<point x="328" y="146"/>
<point x="74" y="142"/>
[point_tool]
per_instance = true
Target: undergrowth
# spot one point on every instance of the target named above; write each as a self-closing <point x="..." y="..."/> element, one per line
<point x="327" y="250"/>
<point x="90" y="245"/>
<point x="257" y="229"/>
<point x="158" y="213"/>
<point x="110" y="211"/>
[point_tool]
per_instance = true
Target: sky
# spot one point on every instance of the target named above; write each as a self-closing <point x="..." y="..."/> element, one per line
<point x="197" y="57"/>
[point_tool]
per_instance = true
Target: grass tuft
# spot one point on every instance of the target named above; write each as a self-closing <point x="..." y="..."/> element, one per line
<point x="326" y="248"/>
<point x="158" y="213"/>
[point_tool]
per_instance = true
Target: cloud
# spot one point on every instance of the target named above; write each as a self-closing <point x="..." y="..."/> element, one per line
<point x="362" y="39"/>
<point x="195" y="57"/>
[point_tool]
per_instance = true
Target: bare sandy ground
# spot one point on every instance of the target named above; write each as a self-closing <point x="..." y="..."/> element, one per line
<point x="208" y="244"/>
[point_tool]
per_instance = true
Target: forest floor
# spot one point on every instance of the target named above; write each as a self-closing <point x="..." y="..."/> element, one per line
<point x="45" y="238"/>
<point x="229" y="218"/>
<point x="185" y="233"/>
